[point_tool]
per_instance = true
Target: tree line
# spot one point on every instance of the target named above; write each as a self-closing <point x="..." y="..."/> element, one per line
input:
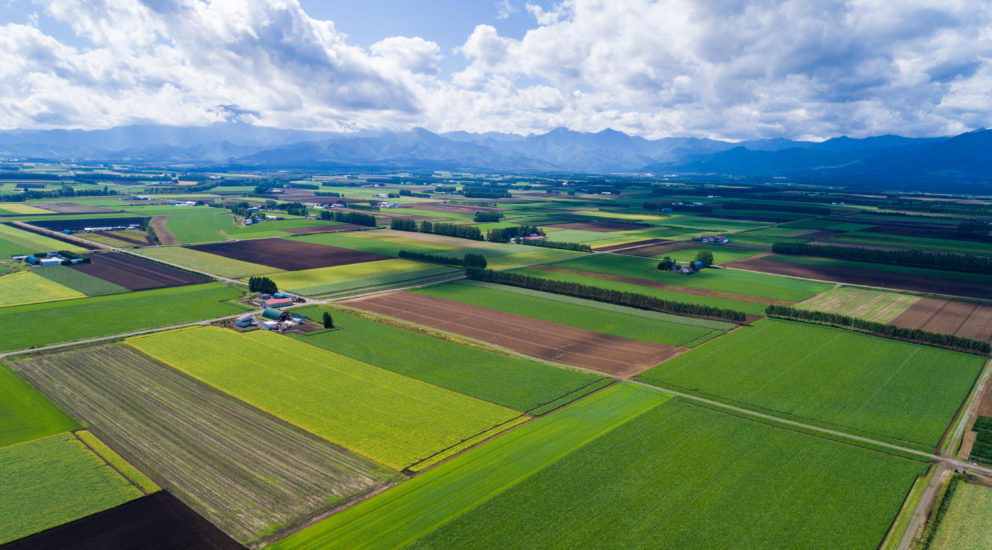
<point x="797" y="208"/>
<point x="908" y="257"/>
<point x="880" y="329"/>
<point x="505" y="234"/>
<point x="451" y="230"/>
<point x="487" y="216"/>
<point x="468" y="261"/>
<point x="560" y="245"/>
<point x="618" y="297"/>
<point x="354" y="218"/>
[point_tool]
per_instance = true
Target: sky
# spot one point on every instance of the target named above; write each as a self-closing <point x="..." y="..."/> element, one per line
<point x="724" y="69"/>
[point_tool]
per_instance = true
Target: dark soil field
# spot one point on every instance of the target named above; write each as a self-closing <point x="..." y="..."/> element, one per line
<point x="643" y="243"/>
<point x="456" y="208"/>
<point x="866" y="277"/>
<point x="164" y="234"/>
<point x="134" y="273"/>
<point x="762" y="217"/>
<point x="966" y="319"/>
<point x="574" y="346"/>
<point x="288" y="255"/>
<point x="601" y="226"/>
<point x="822" y="235"/>
<point x="81" y="223"/>
<point x="158" y="521"/>
<point x="248" y="472"/>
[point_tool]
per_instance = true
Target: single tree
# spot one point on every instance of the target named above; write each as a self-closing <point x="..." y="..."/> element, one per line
<point x="706" y="257"/>
<point x="328" y="322"/>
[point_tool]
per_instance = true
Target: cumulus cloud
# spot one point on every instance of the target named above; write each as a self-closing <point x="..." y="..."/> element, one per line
<point x="714" y="68"/>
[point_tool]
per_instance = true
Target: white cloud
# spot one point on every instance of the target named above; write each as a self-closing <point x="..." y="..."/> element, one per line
<point x="718" y="68"/>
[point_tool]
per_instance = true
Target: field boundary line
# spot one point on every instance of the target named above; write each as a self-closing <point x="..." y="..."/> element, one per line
<point x="107" y="462"/>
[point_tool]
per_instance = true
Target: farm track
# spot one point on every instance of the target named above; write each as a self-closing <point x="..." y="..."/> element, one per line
<point x="243" y="469"/>
<point x="574" y="346"/>
<point x="164" y="234"/>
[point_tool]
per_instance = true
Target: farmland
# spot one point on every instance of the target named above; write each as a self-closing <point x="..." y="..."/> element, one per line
<point x="25" y="414"/>
<point x="288" y="254"/>
<point x="16" y="241"/>
<point x="134" y="273"/>
<point x="210" y="263"/>
<point x="79" y="281"/>
<point x="329" y="280"/>
<point x="538" y="306"/>
<point x="629" y="488"/>
<point x="390" y="418"/>
<point x="49" y="481"/>
<point x="967" y="319"/>
<point x="386" y="242"/>
<point x="26" y="287"/>
<point x="199" y="227"/>
<point x="967" y="522"/>
<point x="29" y="325"/>
<point x="872" y="305"/>
<point x="246" y="471"/>
<point x="573" y="346"/>
<point x="513" y="383"/>
<point x="891" y="390"/>
<point x="444" y="493"/>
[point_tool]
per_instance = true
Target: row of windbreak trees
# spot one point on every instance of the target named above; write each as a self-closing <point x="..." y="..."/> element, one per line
<point x="623" y="298"/>
<point x="469" y="261"/>
<point x="880" y="329"/>
<point x="354" y="218"/>
<point x="912" y="258"/>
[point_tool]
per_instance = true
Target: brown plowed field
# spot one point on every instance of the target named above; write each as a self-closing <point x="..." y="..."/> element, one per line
<point x="867" y="277"/>
<point x="164" y="234"/>
<point x="456" y="208"/>
<point x="663" y="248"/>
<point x="601" y="227"/>
<point x="537" y="338"/>
<point x="134" y="273"/>
<point x="158" y="521"/>
<point x="966" y="319"/>
<point x="643" y="243"/>
<point x="288" y="255"/>
<point x="246" y="471"/>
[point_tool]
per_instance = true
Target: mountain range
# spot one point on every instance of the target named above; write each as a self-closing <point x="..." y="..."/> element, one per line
<point x="959" y="162"/>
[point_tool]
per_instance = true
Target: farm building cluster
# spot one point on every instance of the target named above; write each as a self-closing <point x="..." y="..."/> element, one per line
<point x="272" y="316"/>
<point x="47" y="259"/>
<point x="713" y="239"/>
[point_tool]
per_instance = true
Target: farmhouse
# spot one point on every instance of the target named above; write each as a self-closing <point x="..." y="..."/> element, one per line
<point x="715" y="239"/>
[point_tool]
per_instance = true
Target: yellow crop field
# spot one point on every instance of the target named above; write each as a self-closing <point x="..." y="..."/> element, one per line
<point x="387" y="417"/>
<point x="330" y="279"/>
<point x="21" y="208"/>
<point x="25" y="287"/>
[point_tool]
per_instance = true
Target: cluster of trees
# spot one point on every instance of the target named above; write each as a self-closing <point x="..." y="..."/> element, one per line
<point x="409" y="193"/>
<point x="880" y="329"/>
<point x="797" y="208"/>
<point x="292" y="208"/>
<point x="354" y="218"/>
<point x="326" y="194"/>
<point x="553" y="244"/>
<point x="630" y="299"/>
<point x="504" y="234"/>
<point x="974" y="229"/>
<point x="403" y="224"/>
<point x="486" y="217"/>
<point x="485" y="193"/>
<point x="468" y="261"/>
<point x="452" y="230"/>
<point x="241" y="209"/>
<point x="445" y="189"/>
<point x="914" y="258"/>
<point x="703" y="256"/>
<point x="264" y="285"/>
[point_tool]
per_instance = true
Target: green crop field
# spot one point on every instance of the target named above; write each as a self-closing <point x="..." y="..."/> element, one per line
<point x="394" y="419"/>
<point x="680" y="476"/>
<point x="25" y="287"/>
<point x="916" y="242"/>
<point x="77" y="280"/>
<point x="31" y="325"/>
<point x="721" y="254"/>
<point x="15" y="241"/>
<point x="919" y="271"/>
<point x="576" y="315"/>
<point x="967" y="523"/>
<point x="324" y="280"/>
<point x="873" y="305"/>
<point x="199" y="227"/>
<point x="514" y="383"/>
<point x="25" y="414"/>
<point x="210" y="263"/>
<point x="673" y="293"/>
<point x="275" y="228"/>
<point x="447" y="491"/>
<point x="900" y="392"/>
<point x="122" y="466"/>
<point x="504" y="256"/>
<point x="51" y="481"/>
<point x="724" y="280"/>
